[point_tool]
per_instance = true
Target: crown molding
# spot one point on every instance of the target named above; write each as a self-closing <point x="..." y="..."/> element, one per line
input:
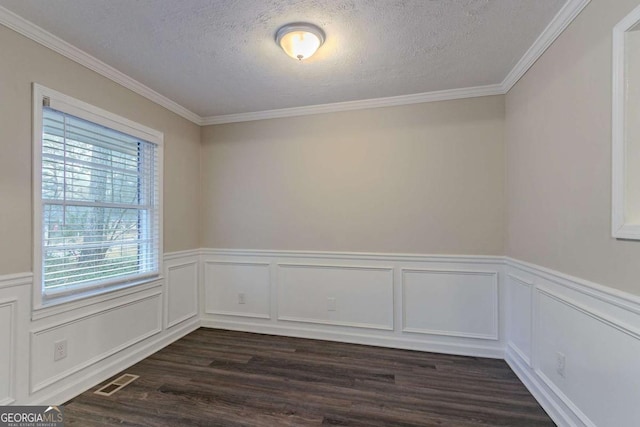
<point x="391" y="101"/>
<point x="558" y="24"/>
<point x="45" y="38"/>
<point x="561" y="20"/>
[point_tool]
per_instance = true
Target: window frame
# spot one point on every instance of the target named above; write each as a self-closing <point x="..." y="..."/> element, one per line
<point x="624" y="214"/>
<point x="91" y="113"/>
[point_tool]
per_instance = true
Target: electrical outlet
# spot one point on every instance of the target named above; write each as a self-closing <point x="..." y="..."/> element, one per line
<point x="331" y="304"/>
<point x="59" y="350"/>
<point x="560" y="364"/>
<point x="242" y="299"/>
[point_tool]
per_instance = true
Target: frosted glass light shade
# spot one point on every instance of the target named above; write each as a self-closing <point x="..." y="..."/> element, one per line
<point x="300" y="41"/>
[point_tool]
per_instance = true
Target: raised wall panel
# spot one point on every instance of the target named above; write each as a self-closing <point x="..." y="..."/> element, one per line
<point x="8" y="325"/>
<point x="348" y="297"/>
<point x="182" y="292"/>
<point x="520" y="315"/>
<point x="224" y="281"/>
<point x="450" y="302"/>
<point x="602" y="373"/>
<point x="15" y="298"/>
<point x="357" y="296"/>
<point x="92" y="337"/>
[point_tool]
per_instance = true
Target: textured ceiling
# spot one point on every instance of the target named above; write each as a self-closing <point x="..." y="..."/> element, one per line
<point x="218" y="57"/>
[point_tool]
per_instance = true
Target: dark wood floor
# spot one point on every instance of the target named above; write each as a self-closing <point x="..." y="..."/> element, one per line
<point x="222" y="378"/>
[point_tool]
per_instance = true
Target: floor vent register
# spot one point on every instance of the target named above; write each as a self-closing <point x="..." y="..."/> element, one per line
<point x="117" y="384"/>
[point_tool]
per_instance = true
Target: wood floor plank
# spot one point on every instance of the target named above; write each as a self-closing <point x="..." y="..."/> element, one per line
<point x="224" y="378"/>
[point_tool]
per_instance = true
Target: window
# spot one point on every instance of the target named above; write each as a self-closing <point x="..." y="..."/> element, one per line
<point x="98" y="211"/>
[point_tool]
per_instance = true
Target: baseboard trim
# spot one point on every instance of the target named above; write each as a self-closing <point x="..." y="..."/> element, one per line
<point x="390" y="341"/>
<point x="550" y="402"/>
<point x="118" y="363"/>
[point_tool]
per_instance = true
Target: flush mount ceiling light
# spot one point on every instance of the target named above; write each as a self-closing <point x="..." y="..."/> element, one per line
<point x="300" y="40"/>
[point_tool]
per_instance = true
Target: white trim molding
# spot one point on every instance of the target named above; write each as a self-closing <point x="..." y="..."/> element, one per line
<point x="351" y="336"/>
<point x="563" y="18"/>
<point x="623" y="223"/>
<point x="574" y="326"/>
<point x="591" y="324"/>
<point x="584" y="310"/>
<point x="114" y="364"/>
<point x="365" y="256"/>
<point x="169" y="256"/>
<point x="46" y="39"/>
<point x="182" y="308"/>
<point x="335" y="107"/>
<point x="33" y="377"/>
<point x="356" y="297"/>
<point x="552" y="405"/>
<point x="169" y="321"/>
<point x="156" y="297"/>
<point x="558" y="24"/>
<point x="512" y="321"/>
<point x="19" y="279"/>
<point x="547" y="292"/>
<point x="606" y="294"/>
<point x="12" y="353"/>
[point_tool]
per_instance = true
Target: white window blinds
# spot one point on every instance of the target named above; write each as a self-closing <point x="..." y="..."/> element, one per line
<point x="100" y="221"/>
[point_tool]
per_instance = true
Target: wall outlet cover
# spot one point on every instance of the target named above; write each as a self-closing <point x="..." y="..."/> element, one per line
<point x="560" y="364"/>
<point x="331" y="304"/>
<point x="59" y="350"/>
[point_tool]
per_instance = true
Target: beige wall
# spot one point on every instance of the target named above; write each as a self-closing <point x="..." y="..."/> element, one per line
<point x="558" y="134"/>
<point x="424" y="178"/>
<point x="23" y="62"/>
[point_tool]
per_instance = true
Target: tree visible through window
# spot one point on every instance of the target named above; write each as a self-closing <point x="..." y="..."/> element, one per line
<point x="99" y="204"/>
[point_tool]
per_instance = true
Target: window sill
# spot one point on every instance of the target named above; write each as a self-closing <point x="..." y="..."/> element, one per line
<point x="67" y="303"/>
<point x="627" y="231"/>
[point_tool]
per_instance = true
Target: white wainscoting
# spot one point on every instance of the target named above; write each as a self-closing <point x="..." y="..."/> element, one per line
<point x="468" y="305"/>
<point x="104" y="336"/>
<point x="450" y="305"/>
<point x="519" y="312"/>
<point x="597" y="332"/>
<point x="7" y="358"/>
<point x="15" y="308"/>
<point x="181" y="284"/>
<point x="92" y="337"/>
